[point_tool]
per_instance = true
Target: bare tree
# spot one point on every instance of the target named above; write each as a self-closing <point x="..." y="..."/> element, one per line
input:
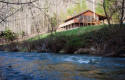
<point x="7" y="9"/>
<point x="114" y="8"/>
<point x="29" y="16"/>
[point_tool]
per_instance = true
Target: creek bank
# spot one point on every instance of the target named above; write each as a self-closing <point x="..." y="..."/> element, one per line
<point x="108" y="50"/>
<point x="94" y="40"/>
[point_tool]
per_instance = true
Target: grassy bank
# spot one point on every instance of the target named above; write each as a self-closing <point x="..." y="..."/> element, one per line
<point x="73" y="32"/>
<point x="96" y="40"/>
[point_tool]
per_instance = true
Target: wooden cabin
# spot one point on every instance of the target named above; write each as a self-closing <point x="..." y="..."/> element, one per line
<point x="83" y="19"/>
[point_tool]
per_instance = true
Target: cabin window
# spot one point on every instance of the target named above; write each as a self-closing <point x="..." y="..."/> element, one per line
<point x="96" y="18"/>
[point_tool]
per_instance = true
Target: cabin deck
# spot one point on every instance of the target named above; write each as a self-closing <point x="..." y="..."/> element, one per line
<point x="83" y="19"/>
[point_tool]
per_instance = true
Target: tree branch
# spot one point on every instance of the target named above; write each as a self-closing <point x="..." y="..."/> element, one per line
<point x="18" y="3"/>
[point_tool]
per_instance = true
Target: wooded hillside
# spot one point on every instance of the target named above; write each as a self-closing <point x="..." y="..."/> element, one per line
<point x="36" y="17"/>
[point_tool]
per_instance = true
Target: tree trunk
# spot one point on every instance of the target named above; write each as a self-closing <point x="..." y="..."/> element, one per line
<point x="122" y="12"/>
<point x="107" y="16"/>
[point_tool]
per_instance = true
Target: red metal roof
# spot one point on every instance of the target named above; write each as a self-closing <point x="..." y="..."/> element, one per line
<point x="83" y="13"/>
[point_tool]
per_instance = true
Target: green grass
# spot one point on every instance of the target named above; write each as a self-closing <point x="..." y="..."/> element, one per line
<point x="74" y="39"/>
<point x="73" y="32"/>
<point x="80" y="31"/>
<point x="38" y="37"/>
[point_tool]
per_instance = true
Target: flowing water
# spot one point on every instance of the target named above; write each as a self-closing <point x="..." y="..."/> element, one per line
<point x="50" y="66"/>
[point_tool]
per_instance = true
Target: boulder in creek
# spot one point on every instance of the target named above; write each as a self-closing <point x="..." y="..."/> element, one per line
<point x="85" y="51"/>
